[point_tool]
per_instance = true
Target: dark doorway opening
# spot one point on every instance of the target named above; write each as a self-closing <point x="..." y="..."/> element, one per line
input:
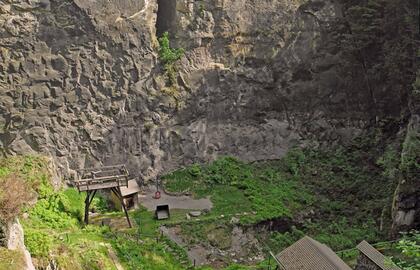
<point x="165" y="16"/>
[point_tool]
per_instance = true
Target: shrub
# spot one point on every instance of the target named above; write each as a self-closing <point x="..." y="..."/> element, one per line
<point x="409" y="246"/>
<point x="14" y="194"/>
<point x="294" y="160"/>
<point x="73" y="202"/>
<point x="38" y="243"/>
<point x="169" y="56"/>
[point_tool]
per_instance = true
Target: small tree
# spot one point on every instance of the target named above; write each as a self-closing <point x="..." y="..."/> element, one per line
<point x="169" y="56"/>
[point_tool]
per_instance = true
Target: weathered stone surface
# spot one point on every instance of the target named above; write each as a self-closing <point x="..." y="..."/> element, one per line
<point x="81" y="81"/>
<point x="15" y="241"/>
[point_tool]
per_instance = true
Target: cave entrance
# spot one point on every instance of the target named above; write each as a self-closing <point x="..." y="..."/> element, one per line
<point x="165" y="16"/>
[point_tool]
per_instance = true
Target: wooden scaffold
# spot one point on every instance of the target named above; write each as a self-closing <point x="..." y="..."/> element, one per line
<point x="110" y="177"/>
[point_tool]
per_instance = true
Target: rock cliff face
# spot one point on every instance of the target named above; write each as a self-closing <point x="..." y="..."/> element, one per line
<point x="81" y="81"/>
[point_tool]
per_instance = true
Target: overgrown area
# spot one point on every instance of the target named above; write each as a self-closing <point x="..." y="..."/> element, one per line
<point x="55" y="234"/>
<point x="339" y="196"/>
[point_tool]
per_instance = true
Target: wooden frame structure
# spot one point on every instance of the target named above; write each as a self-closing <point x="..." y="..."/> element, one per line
<point x="93" y="179"/>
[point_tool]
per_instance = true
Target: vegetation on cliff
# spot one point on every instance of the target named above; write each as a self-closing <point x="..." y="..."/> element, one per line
<point x="340" y="193"/>
<point x="169" y="56"/>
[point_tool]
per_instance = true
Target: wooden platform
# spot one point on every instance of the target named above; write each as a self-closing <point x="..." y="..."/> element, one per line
<point x="93" y="179"/>
<point x="102" y="178"/>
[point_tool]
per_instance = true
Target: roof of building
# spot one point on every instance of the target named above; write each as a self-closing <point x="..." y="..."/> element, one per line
<point x="375" y="256"/>
<point x="308" y="254"/>
<point x="132" y="188"/>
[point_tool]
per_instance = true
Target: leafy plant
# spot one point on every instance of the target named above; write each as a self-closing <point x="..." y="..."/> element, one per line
<point x="409" y="246"/>
<point x="38" y="243"/>
<point x="169" y="56"/>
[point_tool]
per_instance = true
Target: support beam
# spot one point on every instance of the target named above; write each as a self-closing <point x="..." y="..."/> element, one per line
<point x="89" y="198"/>
<point x="117" y="192"/>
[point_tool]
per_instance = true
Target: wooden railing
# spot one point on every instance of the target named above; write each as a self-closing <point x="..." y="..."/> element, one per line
<point x="102" y="178"/>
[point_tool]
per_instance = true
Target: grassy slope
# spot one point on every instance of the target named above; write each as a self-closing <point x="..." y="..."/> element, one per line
<point x="345" y="189"/>
<point x="53" y="230"/>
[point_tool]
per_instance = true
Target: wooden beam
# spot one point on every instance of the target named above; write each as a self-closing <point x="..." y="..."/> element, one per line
<point x="87" y="207"/>
<point x="89" y="198"/>
<point x="117" y="192"/>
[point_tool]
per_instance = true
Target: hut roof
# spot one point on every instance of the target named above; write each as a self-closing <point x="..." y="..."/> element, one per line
<point x="309" y="254"/>
<point x="375" y="256"/>
<point x="132" y="188"/>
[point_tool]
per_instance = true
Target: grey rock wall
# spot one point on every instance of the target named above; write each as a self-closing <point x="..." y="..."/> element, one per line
<point x="15" y="241"/>
<point x="81" y="82"/>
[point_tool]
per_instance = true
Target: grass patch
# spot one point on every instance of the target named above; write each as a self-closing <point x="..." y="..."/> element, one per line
<point x="237" y="187"/>
<point x="20" y="179"/>
<point x="11" y="259"/>
<point x="341" y="192"/>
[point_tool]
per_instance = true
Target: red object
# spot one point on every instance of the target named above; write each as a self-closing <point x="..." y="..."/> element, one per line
<point x="157" y="195"/>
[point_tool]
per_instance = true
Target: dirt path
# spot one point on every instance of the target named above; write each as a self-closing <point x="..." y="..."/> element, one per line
<point x="174" y="202"/>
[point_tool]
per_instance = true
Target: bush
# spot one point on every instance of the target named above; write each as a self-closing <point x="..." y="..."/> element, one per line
<point x="20" y="179"/>
<point x="169" y="56"/>
<point x="57" y="210"/>
<point x="294" y="160"/>
<point x="73" y="203"/>
<point x="100" y="204"/>
<point x="409" y="246"/>
<point x="14" y="194"/>
<point x="38" y="243"/>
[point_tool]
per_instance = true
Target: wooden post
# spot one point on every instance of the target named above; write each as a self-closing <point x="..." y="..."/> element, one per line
<point x="87" y="207"/>
<point x="117" y="192"/>
<point x="88" y="201"/>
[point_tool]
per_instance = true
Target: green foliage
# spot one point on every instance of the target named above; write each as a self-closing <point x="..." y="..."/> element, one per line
<point x="294" y="160"/>
<point x="73" y="203"/>
<point x="20" y="178"/>
<point x="149" y="254"/>
<point x="279" y="241"/>
<point x="389" y="162"/>
<point x="410" y="158"/>
<point x="213" y="232"/>
<point x="342" y="234"/>
<point x="100" y="204"/>
<point x="38" y="243"/>
<point x="237" y="187"/>
<point x="409" y="246"/>
<point x="169" y="56"/>
<point x="57" y="210"/>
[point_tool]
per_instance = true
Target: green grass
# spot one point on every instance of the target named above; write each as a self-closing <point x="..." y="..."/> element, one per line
<point x="11" y="259"/>
<point x="342" y="191"/>
<point x="237" y="187"/>
<point x="336" y="196"/>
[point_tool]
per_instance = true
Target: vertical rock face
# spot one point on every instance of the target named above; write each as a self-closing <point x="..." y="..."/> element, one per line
<point x="15" y="241"/>
<point x="81" y="81"/>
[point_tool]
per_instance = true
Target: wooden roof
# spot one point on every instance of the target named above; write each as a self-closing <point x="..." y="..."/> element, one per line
<point x="375" y="256"/>
<point x="132" y="188"/>
<point x="309" y="254"/>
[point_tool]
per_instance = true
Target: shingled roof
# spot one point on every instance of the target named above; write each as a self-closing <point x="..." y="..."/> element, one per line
<point x="308" y="254"/>
<point x="375" y="256"/>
